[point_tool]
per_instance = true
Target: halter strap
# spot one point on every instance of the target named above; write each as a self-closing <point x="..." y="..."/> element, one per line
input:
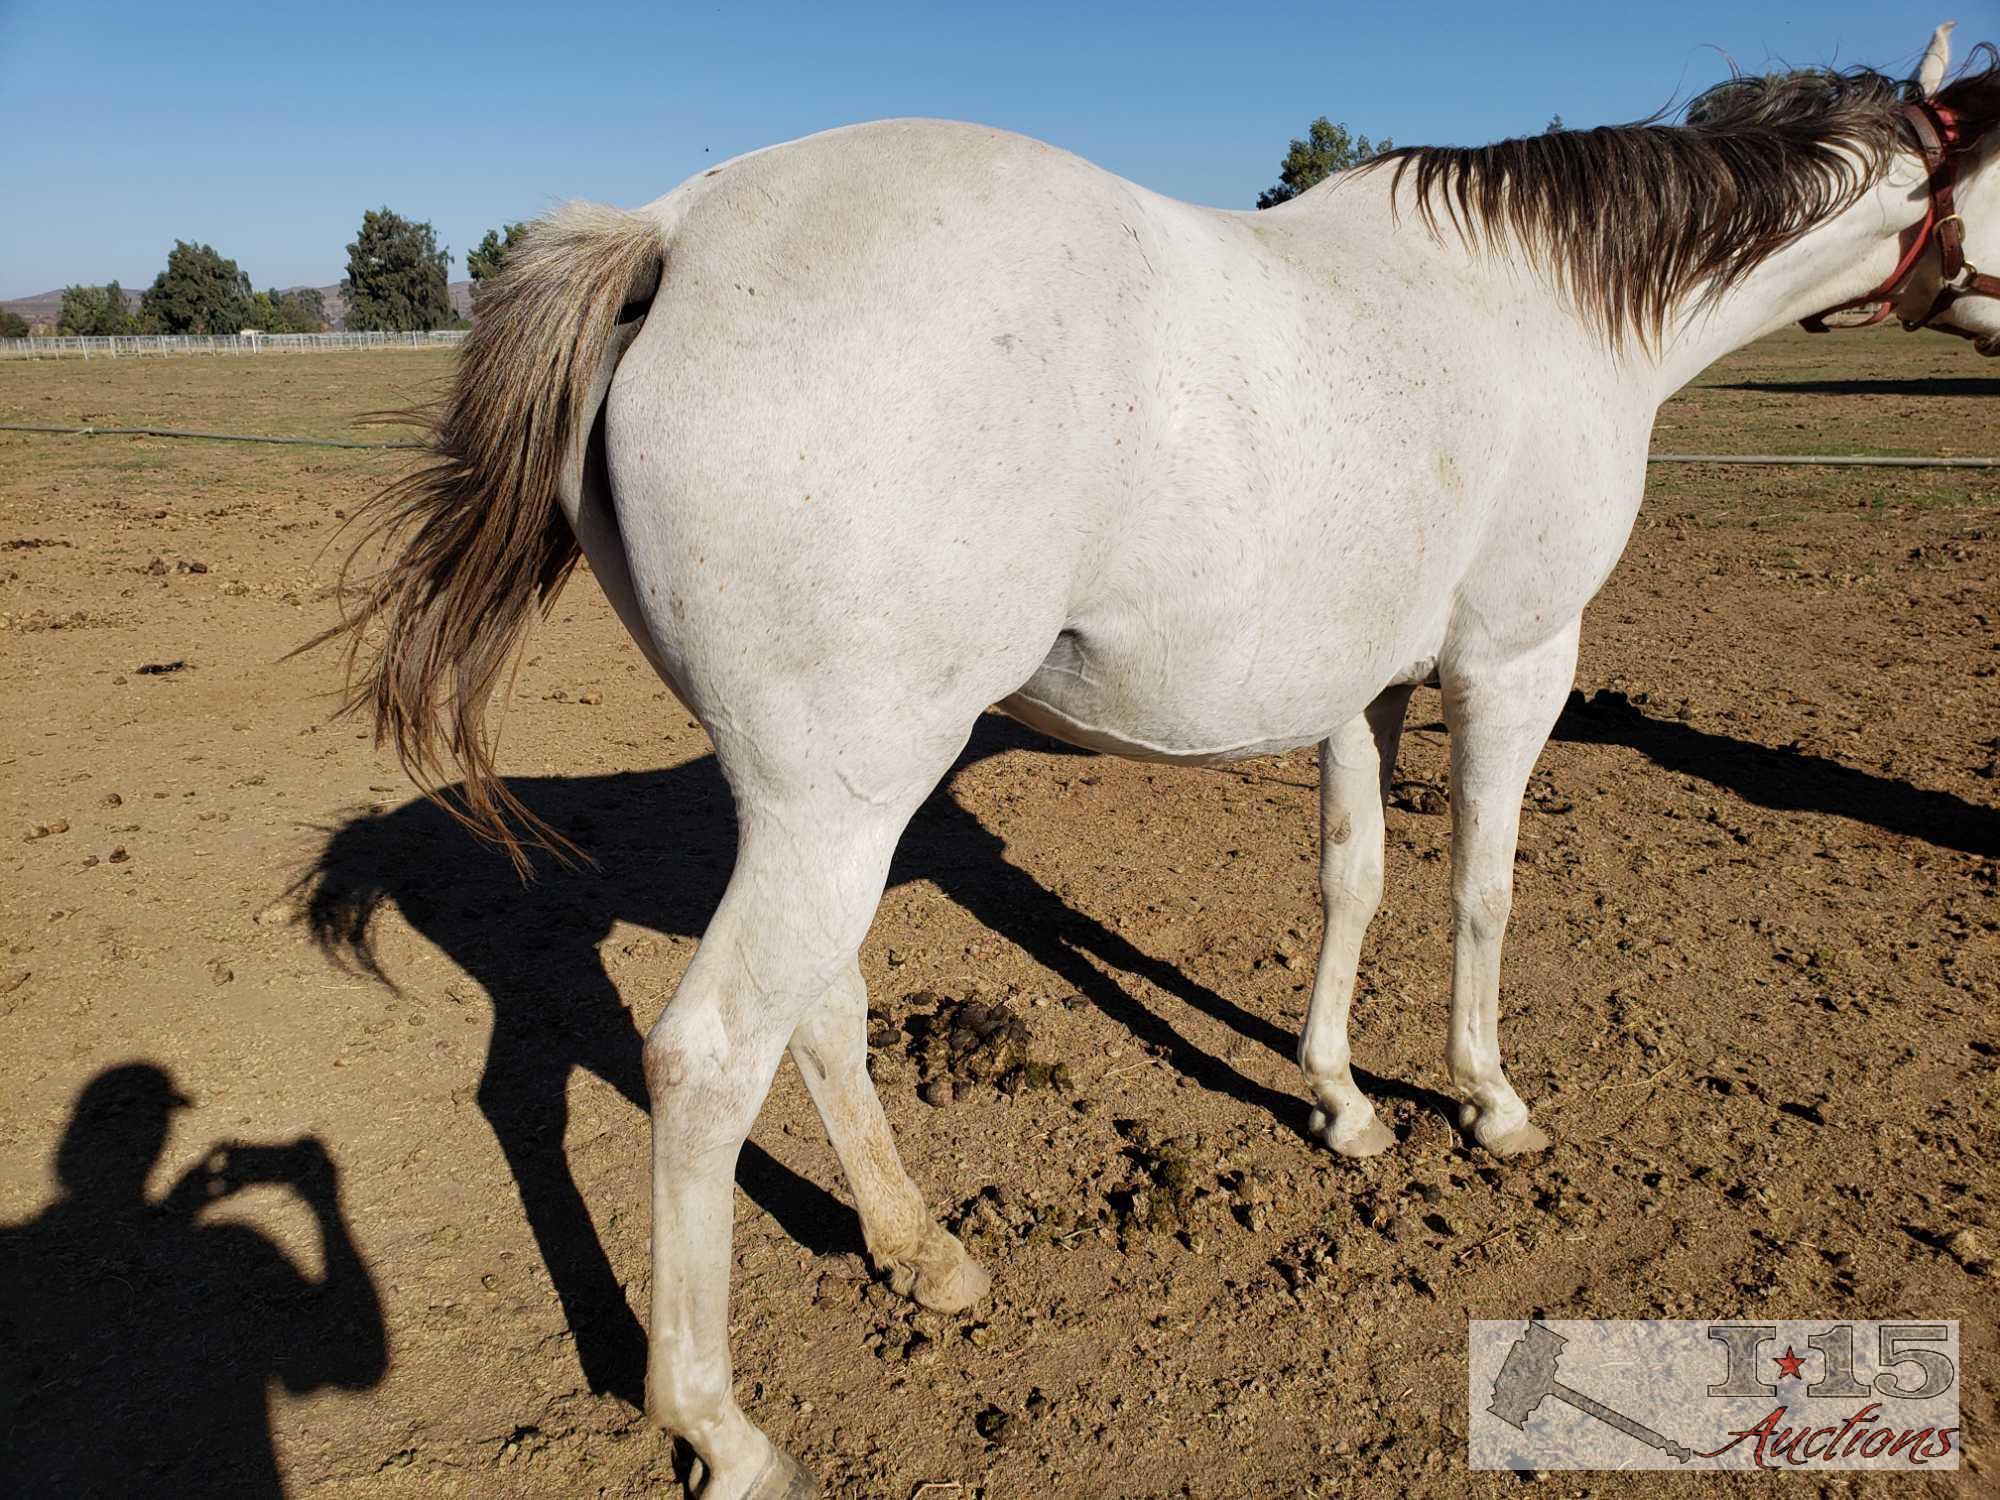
<point x="1936" y="132"/>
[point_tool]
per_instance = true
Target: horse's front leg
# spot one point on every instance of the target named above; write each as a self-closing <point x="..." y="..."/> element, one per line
<point x="1500" y="714"/>
<point x="1355" y="766"/>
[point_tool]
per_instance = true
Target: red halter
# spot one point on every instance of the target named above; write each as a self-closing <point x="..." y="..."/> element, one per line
<point x="1936" y="132"/>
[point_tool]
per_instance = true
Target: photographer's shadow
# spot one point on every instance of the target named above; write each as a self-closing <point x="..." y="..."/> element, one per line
<point x="141" y="1342"/>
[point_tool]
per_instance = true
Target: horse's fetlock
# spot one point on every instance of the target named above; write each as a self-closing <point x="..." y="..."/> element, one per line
<point x="1321" y="1059"/>
<point x="1462" y="1066"/>
<point x="691" y="1409"/>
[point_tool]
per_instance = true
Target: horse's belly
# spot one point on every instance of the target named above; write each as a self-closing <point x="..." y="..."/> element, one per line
<point x="1088" y="726"/>
<point x="1206" y="699"/>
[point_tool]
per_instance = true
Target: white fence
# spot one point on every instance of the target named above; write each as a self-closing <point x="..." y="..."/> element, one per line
<point x="221" y="343"/>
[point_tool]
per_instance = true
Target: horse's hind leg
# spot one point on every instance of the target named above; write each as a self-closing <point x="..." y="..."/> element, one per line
<point x="1356" y="763"/>
<point x="810" y="868"/>
<point x="921" y="1259"/>
<point x="1500" y="715"/>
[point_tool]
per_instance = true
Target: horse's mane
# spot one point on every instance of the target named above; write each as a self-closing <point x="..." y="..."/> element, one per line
<point x="1630" y="219"/>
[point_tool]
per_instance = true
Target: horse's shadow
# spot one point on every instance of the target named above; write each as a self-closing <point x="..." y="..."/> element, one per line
<point x="664" y="842"/>
<point x="1783" y="778"/>
<point x="1926" y="385"/>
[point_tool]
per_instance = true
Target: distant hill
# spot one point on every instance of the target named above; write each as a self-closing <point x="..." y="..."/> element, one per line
<point x="45" y="307"/>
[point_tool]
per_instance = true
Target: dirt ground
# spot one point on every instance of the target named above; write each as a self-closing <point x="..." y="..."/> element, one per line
<point x="1750" y="988"/>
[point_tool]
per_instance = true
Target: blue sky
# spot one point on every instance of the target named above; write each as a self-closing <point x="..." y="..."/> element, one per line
<point x="267" y="129"/>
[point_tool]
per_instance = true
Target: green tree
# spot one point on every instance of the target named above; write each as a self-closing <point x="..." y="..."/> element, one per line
<point x="299" y="310"/>
<point x="199" y="292"/>
<point x="1327" y="148"/>
<point x="95" y="310"/>
<point x="13" y="326"/>
<point x="396" y="275"/>
<point x="1555" y="126"/>
<point x="490" y="254"/>
<point x="303" y="309"/>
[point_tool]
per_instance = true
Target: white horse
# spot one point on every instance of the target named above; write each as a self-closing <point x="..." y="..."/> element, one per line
<point x="866" y="432"/>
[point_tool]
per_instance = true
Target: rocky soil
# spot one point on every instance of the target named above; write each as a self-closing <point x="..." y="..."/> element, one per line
<point x="1751" y="985"/>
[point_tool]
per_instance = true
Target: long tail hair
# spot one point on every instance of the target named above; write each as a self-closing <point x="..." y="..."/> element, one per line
<point x="476" y="535"/>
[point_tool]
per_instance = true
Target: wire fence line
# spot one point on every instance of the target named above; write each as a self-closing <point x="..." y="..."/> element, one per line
<point x="126" y="345"/>
<point x="213" y="437"/>
<point x="1832" y="460"/>
<point x="1827" y="460"/>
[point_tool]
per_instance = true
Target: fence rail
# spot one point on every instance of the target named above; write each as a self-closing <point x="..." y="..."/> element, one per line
<point x="221" y="343"/>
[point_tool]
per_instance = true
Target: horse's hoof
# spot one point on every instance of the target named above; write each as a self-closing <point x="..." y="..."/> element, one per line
<point x="955" y="1290"/>
<point x="1523" y="1140"/>
<point x="940" y="1276"/>
<point x="783" y="1478"/>
<point x="1371" y="1140"/>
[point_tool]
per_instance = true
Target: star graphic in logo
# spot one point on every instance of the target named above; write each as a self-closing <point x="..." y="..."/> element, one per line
<point x="1788" y="1366"/>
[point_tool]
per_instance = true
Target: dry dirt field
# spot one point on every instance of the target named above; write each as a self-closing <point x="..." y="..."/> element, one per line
<point x="1750" y="987"/>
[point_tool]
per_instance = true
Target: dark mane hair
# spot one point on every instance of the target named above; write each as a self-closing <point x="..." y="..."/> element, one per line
<point x="1629" y="219"/>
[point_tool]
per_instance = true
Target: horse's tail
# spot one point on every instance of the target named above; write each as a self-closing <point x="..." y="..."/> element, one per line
<point x="477" y="536"/>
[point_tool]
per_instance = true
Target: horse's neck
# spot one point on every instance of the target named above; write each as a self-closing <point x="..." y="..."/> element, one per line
<point x="1847" y="257"/>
